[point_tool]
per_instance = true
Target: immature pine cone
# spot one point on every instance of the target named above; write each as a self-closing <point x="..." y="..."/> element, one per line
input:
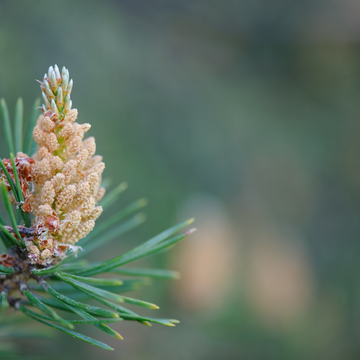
<point x="65" y="172"/>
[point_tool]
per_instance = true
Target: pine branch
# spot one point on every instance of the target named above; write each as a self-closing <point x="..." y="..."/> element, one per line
<point x="52" y="202"/>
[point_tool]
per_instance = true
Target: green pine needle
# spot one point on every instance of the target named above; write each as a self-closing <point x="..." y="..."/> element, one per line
<point x="104" y="293"/>
<point x="7" y="270"/>
<point x="106" y="282"/>
<point x="153" y="245"/>
<point x="62" y="299"/>
<point x="20" y="196"/>
<point x="152" y="273"/>
<point x="44" y="308"/>
<point x="69" y="332"/>
<point x="10" y="213"/>
<point x="100" y="326"/>
<point x="29" y="131"/>
<point x="10" y="181"/>
<point x="7" y="126"/>
<point x="19" y="111"/>
<point x="113" y="195"/>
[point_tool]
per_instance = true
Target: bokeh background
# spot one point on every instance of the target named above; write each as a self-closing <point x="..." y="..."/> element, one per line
<point x="244" y="114"/>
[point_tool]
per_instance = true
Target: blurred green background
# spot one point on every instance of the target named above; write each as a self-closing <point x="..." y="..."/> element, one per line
<point x="244" y="114"/>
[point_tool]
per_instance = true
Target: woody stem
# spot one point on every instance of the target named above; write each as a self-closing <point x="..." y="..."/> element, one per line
<point x="22" y="230"/>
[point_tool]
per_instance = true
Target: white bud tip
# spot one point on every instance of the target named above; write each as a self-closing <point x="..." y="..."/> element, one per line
<point x="57" y="72"/>
<point x="70" y="86"/>
<point x="53" y="107"/>
<point x="65" y="81"/>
